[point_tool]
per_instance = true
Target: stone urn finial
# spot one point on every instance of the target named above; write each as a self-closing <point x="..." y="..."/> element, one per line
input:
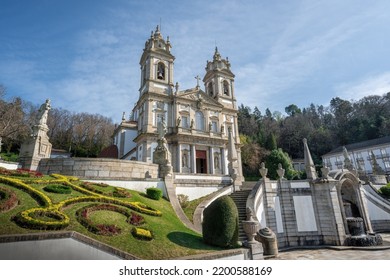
<point x="263" y="171"/>
<point x="325" y="172"/>
<point x="251" y="226"/>
<point x="280" y="171"/>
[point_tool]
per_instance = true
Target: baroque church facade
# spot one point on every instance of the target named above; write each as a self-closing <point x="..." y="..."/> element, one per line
<point x="197" y="121"/>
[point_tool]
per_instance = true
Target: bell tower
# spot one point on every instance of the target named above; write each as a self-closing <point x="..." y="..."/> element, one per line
<point x="219" y="80"/>
<point x="156" y="65"/>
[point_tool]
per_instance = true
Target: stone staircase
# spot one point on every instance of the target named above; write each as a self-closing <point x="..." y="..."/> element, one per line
<point x="239" y="198"/>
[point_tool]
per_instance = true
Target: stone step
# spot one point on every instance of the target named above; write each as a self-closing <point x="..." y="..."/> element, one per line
<point x="240" y="198"/>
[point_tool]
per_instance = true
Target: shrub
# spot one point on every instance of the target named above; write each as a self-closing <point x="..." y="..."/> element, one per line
<point x="142" y="233"/>
<point x="34" y="218"/>
<point x="135" y="219"/>
<point x="385" y="190"/>
<point x="119" y="192"/>
<point x="183" y="200"/>
<point x="58" y="189"/>
<point x="154" y="193"/>
<point x="220" y="223"/>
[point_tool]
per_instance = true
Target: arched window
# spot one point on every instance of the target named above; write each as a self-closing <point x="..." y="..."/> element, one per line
<point x="161" y="71"/>
<point x="226" y="88"/>
<point x="199" y="121"/>
<point x="210" y="89"/>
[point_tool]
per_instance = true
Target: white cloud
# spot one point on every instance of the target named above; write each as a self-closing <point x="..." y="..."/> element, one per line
<point x="371" y="85"/>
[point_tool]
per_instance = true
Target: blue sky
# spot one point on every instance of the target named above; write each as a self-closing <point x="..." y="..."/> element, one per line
<point x="84" y="55"/>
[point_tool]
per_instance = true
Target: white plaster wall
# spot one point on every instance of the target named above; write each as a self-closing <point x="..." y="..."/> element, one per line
<point x="376" y="213"/>
<point x="139" y="186"/>
<point x="300" y="185"/>
<point x="304" y="213"/>
<point x="278" y="214"/>
<point x="9" y="165"/>
<point x="260" y="214"/>
<point x="129" y="143"/>
<point x="52" y="249"/>
<point x="196" y="192"/>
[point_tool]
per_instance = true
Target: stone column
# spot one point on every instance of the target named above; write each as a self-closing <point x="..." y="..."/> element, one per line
<point x="179" y="163"/>
<point x="193" y="159"/>
<point x="211" y="157"/>
<point x="223" y="162"/>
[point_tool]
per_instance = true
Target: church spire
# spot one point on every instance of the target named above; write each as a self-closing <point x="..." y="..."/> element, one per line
<point x="216" y="56"/>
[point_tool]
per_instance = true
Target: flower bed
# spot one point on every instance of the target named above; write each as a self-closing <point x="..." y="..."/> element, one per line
<point x="42" y="219"/>
<point x="50" y="216"/>
<point x="120" y="192"/>
<point x="8" y="199"/>
<point x="40" y="197"/>
<point x="92" y="187"/>
<point x="102" y="229"/>
<point x="20" y="173"/>
<point x="58" y="189"/>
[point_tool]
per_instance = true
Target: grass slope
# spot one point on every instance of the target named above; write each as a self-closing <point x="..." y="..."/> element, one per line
<point x="171" y="238"/>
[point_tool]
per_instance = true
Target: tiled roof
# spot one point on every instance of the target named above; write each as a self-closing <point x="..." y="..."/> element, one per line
<point x="109" y="152"/>
<point x="361" y="145"/>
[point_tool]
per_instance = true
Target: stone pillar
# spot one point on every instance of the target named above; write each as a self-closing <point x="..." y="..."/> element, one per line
<point x="193" y="159"/>
<point x="179" y="163"/>
<point x="212" y="164"/>
<point x="223" y="162"/>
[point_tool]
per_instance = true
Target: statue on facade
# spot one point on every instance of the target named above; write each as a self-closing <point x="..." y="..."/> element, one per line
<point x="162" y="129"/>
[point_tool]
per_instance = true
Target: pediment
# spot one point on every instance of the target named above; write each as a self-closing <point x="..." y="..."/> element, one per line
<point x="198" y="94"/>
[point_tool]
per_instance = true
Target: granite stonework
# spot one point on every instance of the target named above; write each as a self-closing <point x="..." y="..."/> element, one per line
<point x="99" y="168"/>
<point x="37" y="145"/>
<point x="318" y="211"/>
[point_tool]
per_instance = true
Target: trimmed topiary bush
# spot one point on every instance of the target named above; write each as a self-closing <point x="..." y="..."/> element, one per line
<point x="154" y="193"/>
<point x="58" y="189"/>
<point x="220" y="223"/>
<point x="142" y="233"/>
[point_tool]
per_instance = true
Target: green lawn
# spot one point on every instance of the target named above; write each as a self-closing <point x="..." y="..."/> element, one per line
<point x="171" y="238"/>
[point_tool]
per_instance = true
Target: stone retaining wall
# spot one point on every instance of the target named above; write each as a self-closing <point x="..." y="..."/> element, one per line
<point x="99" y="168"/>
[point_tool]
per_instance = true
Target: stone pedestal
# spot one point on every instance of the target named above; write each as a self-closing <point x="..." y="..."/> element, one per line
<point x="268" y="238"/>
<point x="162" y="156"/>
<point x="36" y="147"/>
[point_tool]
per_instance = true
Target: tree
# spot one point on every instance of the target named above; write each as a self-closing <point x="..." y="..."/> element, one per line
<point x="251" y="156"/>
<point x="292" y="109"/>
<point x="272" y="161"/>
<point x="13" y="127"/>
<point x="271" y="143"/>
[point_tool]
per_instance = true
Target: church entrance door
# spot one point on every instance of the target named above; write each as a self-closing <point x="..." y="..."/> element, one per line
<point x="201" y="162"/>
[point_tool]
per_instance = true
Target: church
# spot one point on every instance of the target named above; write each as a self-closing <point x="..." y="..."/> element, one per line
<point x="198" y="121"/>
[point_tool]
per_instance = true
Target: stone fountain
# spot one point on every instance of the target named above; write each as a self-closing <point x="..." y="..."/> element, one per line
<point x="358" y="236"/>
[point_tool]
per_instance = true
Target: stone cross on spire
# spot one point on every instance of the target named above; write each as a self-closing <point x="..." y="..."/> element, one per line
<point x="197" y="81"/>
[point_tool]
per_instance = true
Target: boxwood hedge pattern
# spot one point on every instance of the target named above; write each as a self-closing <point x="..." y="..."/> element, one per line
<point x="106" y="229"/>
<point x="49" y="216"/>
<point x="58" y="189"/>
